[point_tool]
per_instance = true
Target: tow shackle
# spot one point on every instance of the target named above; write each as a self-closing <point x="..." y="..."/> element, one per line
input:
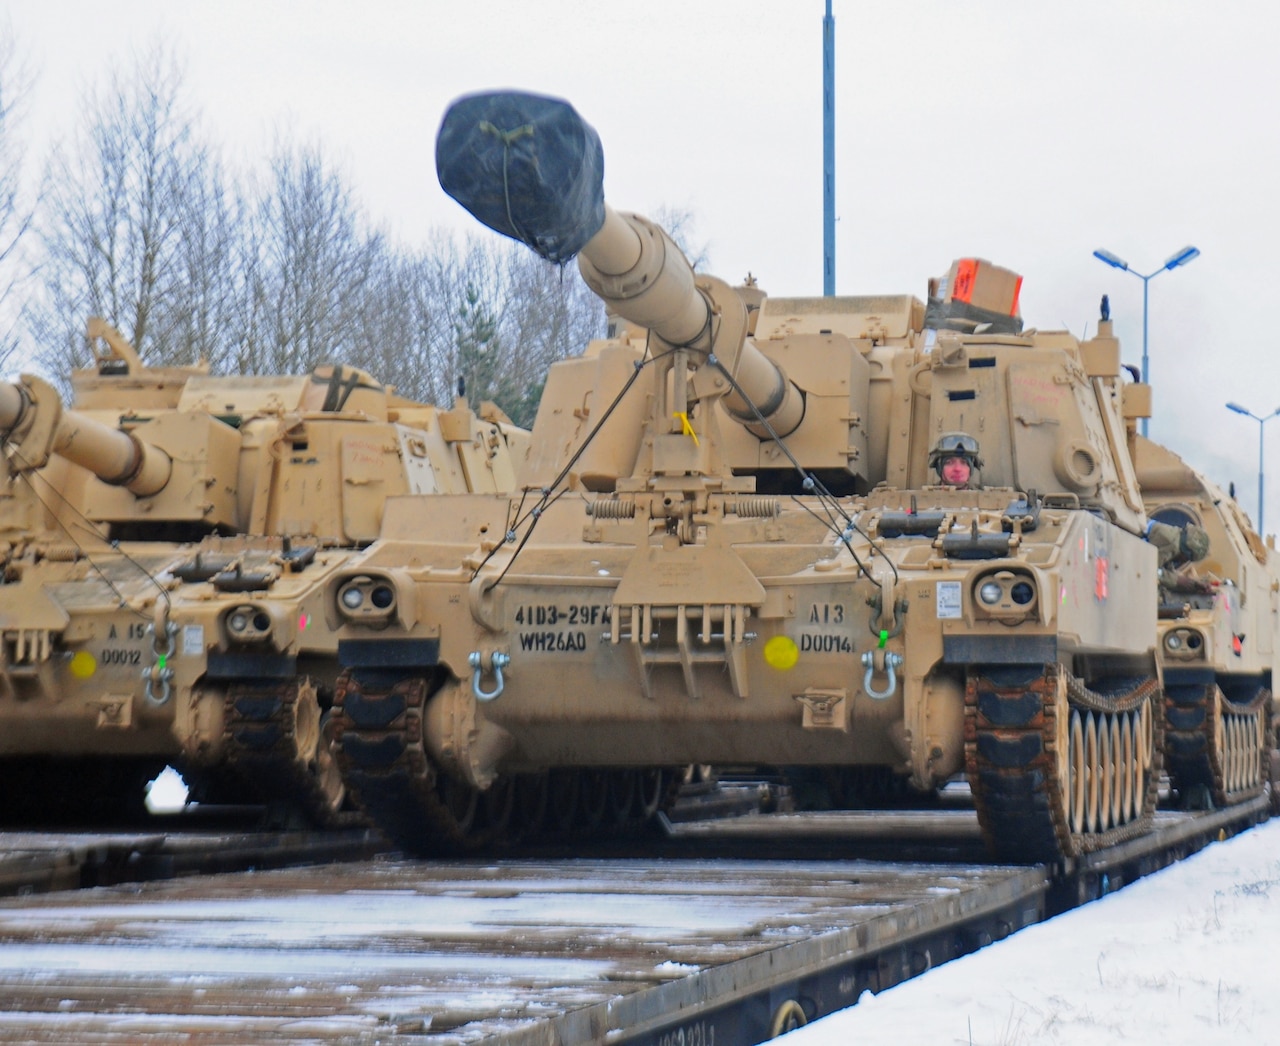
<point x="876" y="661"/>
<point x="497" y="662"/>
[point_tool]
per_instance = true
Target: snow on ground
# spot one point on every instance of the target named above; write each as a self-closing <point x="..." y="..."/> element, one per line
<point x="1184" y="956"/>
<point x="167" y="794"/>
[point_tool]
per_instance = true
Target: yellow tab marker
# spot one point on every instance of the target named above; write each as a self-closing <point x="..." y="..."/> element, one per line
<point x="685" y="427"/>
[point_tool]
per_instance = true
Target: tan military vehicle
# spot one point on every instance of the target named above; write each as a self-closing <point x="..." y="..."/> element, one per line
<point x="1218" y="623"/>
<point x="141" y="532"/>
<point x="735" y="547"/>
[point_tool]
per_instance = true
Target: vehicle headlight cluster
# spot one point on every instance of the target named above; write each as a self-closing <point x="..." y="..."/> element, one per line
<point x="369" y="600"/>
<point x="1006" y="593"/>
<point x="1185" y="644"/>
<point x="248" y="624"/>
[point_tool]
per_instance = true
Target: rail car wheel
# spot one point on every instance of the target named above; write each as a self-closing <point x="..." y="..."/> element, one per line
<point x="498" y="806"/>
<point x="650" y="792"/>
<point x="531" y="805"/>
<point x="623" y="786"/>
<point x="460" y="802"/>
<point x="787" y="1017"/>
<point x="564" y="788"/>
<point x="593" y="800"/>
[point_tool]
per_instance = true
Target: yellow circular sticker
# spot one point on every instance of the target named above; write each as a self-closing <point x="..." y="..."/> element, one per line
<point x="83" y="664"/>
<point x="781" y="652"/>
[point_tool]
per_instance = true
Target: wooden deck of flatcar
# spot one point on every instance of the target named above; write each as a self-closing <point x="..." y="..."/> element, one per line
<point x="653" y="950"/>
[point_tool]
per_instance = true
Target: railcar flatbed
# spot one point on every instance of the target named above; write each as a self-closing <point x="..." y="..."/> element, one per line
<point x="527" y="951"/>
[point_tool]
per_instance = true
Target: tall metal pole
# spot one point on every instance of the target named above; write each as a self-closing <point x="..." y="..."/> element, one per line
<point x="1146" y="373"/>
<point x="1262" y="425"/>
<point x="828" y="153"/>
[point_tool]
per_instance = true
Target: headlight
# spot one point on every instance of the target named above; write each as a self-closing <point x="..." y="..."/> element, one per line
<point x="368" y="601"/>
<point x="1186" y="644"/>
<point x="1006" y="595"/>
<point x="248" y="624"/>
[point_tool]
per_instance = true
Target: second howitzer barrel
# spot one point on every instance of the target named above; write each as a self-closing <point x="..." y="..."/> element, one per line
<point x="115" y="456"/>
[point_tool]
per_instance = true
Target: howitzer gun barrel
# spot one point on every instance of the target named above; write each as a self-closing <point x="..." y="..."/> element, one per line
<point x="532" y="169"/>
<point x="114" y="456"/>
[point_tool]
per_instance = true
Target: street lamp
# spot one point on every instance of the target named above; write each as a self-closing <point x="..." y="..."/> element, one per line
<point x="1181" y="258"/>
<point x="1261" y="425"/>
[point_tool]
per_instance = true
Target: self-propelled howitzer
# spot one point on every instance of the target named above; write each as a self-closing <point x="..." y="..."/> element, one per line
<point x="734" y="549"/>
<point x="159" y="542"/>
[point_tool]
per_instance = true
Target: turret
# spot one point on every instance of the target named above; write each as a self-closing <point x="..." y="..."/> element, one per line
<point x="172" y="454"/>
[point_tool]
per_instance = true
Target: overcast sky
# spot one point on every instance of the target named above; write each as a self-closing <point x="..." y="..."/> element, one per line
<point x="1029" y="134"/>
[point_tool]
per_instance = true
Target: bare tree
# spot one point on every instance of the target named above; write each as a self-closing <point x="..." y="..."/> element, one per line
<point x="307" y="266"/>
<point x="488" y="313"/>
<point x="207" y="277"/>
<point x="387" y="321"/>
<point x="547" y="313"/>
<point x="124" y="226"/>
<point x="15" y="212"/>
<point x="143" y="225"/>
<point x="681" y="225"/>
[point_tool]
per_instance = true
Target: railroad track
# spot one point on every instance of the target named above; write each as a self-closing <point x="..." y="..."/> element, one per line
<point x="678" y="949"/>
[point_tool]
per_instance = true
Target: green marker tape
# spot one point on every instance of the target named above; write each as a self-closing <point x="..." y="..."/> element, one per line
<point x="162" y="658"/>
<point x="884" y="637"/>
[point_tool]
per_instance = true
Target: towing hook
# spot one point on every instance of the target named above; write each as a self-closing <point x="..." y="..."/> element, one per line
<point x="877" y="602"/>
<point x="892" y="662"/>
<point x="162" y="674"/>
<point x="497" y="661"/>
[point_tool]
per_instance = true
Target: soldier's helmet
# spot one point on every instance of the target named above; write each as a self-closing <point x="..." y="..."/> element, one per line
<point x="1194" y="543"/>
<point x="954" y="445"/>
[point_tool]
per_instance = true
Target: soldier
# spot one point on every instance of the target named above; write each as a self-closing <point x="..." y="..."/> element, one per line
<point x="955" y="457"/>
<point x="1177" y="545"/>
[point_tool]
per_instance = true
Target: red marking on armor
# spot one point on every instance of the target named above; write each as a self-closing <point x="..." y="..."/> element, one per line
<point x="1100" y="567"/>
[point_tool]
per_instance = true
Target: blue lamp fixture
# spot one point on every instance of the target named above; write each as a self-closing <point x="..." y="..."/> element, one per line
<point x="1262" y="421"/>
<point x="1180" y="258"/>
